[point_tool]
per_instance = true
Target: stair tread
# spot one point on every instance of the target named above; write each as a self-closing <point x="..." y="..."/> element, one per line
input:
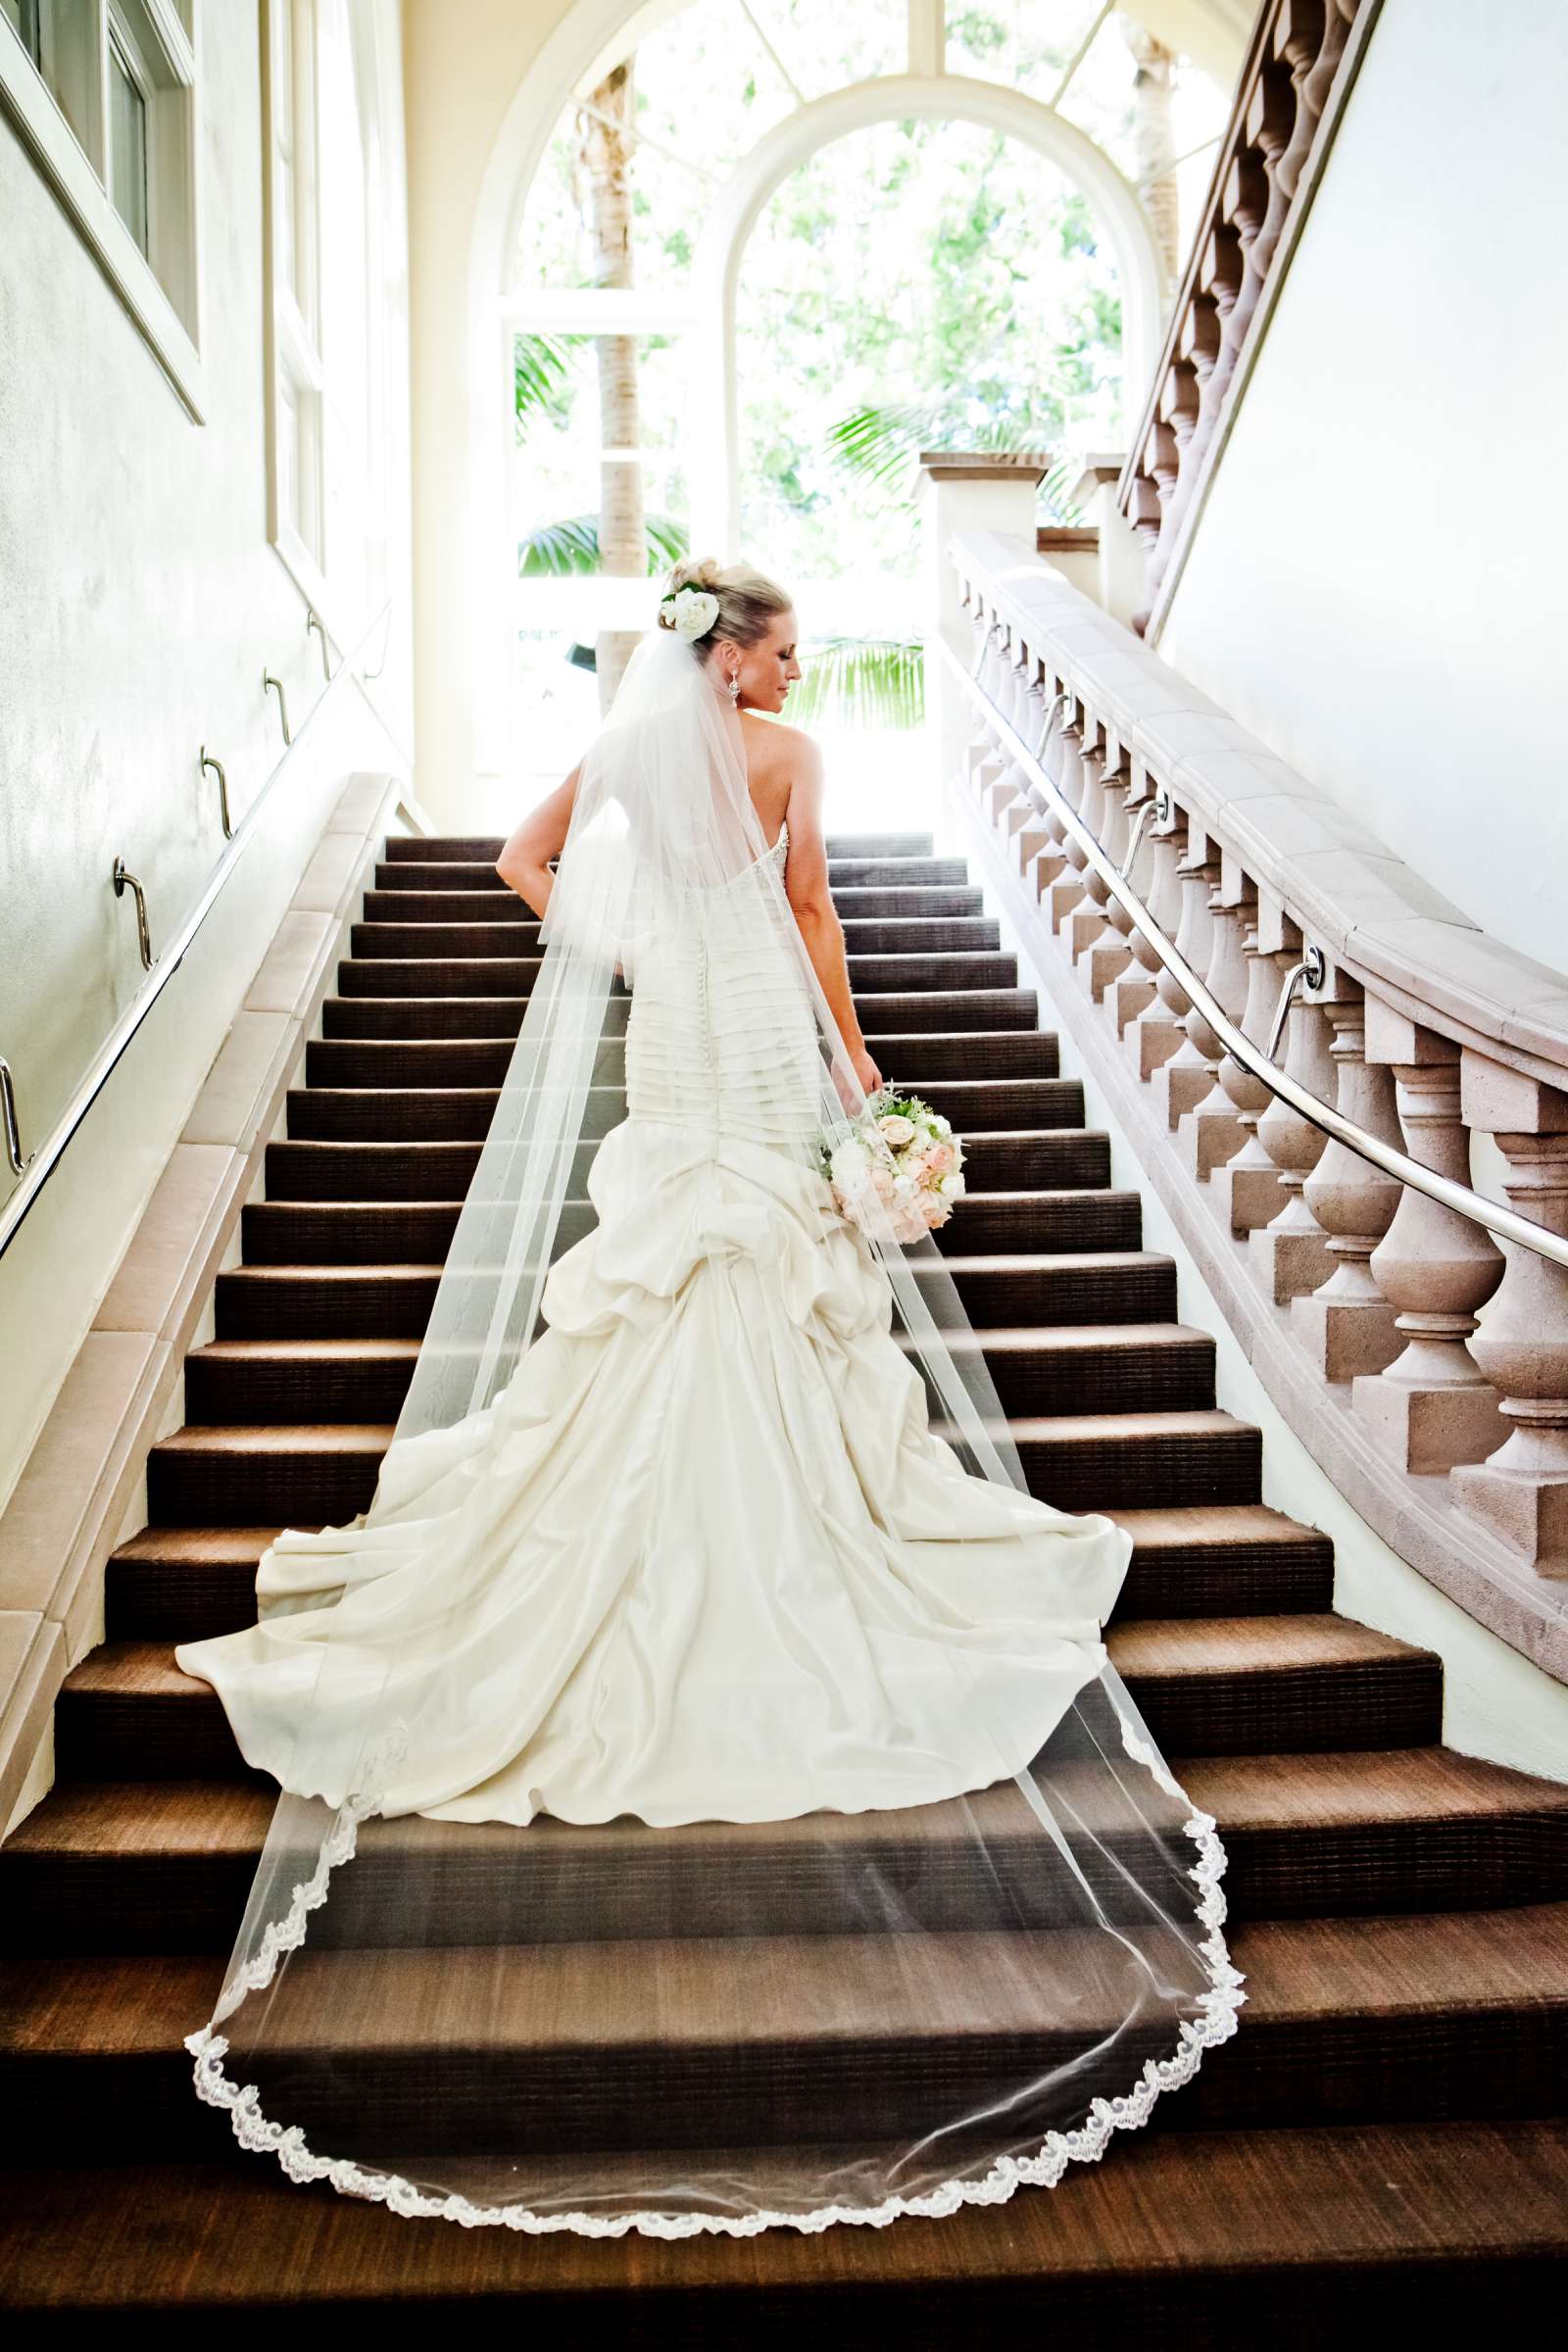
<point x="1242" y="1525"/>
<point x="1147" y="1648"/>
<point x="1154" y="1646"/>
<point x="1066" y="1338"/>
<point x="277" y="1436"/>
<point x="1072" y="1429"/>
<point x="1316" y="1789"/>
<point x="348" y="1435"/>
<point x="1239" y="1523"/>
<point x="1341" y="2200"/>
<point x="735" y="1991"/>
<point x="958" y="1261"/>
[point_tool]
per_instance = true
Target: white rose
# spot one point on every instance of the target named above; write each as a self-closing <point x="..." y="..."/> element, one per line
<point x="693" y="611"/>
<point x="951" y="1187"/>
<point x="897" y="1129"/>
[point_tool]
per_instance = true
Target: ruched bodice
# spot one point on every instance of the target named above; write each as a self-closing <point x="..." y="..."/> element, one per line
<point x="721" y="1039"/>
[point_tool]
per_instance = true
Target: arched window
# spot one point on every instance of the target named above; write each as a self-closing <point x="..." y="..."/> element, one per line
<point x="773" y="247"/>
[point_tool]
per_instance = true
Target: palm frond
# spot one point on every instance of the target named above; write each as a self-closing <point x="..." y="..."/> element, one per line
<point x="880" y="444"/>
<point x="558" y="549"/>
<point x="667" y="541"/>
<point x="860" y="682"/>
<point x="572" y="547"/>
<point x="540" y="368"/>
<point x="1055" y="488"/>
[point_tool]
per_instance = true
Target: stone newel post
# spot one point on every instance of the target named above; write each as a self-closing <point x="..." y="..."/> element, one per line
<point x="978" y="490"/>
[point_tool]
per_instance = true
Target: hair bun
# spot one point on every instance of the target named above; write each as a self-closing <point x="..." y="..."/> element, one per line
<point x="696" y="571"/>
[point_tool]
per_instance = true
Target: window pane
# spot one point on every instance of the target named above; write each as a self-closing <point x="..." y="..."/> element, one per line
<point x="598" y="482"/>
<point x="23" y="20"/>
<point x="128" y="147"/>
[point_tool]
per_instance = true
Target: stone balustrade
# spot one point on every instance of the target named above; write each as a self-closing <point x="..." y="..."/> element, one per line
<point x="1298" y="73"/>
<point x="1426" y="1367"/>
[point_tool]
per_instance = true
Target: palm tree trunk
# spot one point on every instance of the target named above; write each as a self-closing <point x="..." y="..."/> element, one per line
<point x="606" y="152"/>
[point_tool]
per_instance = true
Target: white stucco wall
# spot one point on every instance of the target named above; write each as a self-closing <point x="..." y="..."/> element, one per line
<point x="139" y="601"/>
<point x="463" y="63"/>
<point x="1376" y="585"/>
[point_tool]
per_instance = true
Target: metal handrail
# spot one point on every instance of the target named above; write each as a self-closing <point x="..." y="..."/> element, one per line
<point x="42" y="1162"/>
<point x="217" y="766"/>
<point x="123" y="880"/>
<point x="1446" y="1191"/>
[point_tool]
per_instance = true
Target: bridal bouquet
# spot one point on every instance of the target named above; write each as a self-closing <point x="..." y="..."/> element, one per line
<point x="900" y="1154"/>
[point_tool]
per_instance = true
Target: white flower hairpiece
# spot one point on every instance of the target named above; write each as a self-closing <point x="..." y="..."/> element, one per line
<point x="689" y="612"/>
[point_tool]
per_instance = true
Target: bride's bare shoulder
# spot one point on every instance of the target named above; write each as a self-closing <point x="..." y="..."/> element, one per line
<point x="790" y="751"/>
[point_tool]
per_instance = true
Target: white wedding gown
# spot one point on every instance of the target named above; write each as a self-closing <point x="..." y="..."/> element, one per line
<point x="704" y="1558"/>
<point x="707" y="1803"/>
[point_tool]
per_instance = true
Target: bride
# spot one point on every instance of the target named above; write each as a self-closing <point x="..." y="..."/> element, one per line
<point x="708" y="1801"/>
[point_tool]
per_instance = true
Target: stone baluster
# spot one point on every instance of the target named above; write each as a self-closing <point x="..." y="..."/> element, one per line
<point x="1186" y="1076"/>
<point x="1109" y="954"/>
<point x="993" y="660"/>
<point x="1134" y="991"/>
<point x="1290" y="1254"/>
<point x="985" y="760"/>
<point x="1033" y="838"/>
<point x="1432" y="1407"/>
<point x="1157" y="1032"/>
<point x="1521" y="1492"/>
<point x="1247" y="1188"/>
<point x="1051" y="859"/>
<point x="1069" y="887"/>
<point x="1348" y="1325"/>
<point x="1212" y="1131"/>
<point x="1087" y="921"/>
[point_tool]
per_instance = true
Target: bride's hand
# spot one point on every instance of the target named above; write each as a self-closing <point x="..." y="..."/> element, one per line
<point x="867" y="1073"/>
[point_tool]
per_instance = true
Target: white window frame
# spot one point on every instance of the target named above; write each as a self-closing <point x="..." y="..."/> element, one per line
<point x="161" y="291"/>
<point x="298" y="337"/>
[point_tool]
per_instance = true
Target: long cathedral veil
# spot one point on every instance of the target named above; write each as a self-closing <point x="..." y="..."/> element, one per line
<point x="712" y="2024"/>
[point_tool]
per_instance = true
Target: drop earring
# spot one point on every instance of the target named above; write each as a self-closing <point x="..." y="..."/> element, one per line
<point x="734" y="690"/>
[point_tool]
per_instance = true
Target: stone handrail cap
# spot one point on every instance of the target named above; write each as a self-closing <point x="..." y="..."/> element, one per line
<point x="1338" y="879"/>
<point x="985" y="464"/>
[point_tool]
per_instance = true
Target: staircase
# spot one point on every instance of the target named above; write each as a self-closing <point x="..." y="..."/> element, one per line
<point x="1386" y="2134"/>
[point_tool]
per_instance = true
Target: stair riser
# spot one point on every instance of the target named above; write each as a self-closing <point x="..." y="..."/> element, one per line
<point x="386" y="1303"/>
<point x="483" y="936"/>
<point x="472" y="865"/>
<point x="101" y="1901"/>
<point x="105" y="1735"/>
<point x="1143" y="1472"/>
<point x="484" y="1062"/>
<point x="514" y="977"/>
<point x="225" y="1488"/>
<point x="300" y="1170"/>
<point x="177" y="1601"/>
<point x="461" y="900"/>
<point x="402" y="850"/>
<point x="883" y="1013"/>
<point x="1165" y="1378"/>
<point x="1334" y="2070"/>
<point x="459" y="1114"/>
<point x="370" y="1233"/>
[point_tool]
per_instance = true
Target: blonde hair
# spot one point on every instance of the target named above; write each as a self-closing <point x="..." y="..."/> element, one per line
<point x="748" y="602"/>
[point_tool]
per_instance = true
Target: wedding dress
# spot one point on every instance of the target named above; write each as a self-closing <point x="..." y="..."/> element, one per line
<point x="708" y="1518"/>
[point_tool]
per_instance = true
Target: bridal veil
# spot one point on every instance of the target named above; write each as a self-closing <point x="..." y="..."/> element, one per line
<point x="735" y="2018"/>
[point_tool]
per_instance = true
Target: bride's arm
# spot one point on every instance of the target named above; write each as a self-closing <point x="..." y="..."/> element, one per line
<point x="805" y="884"/>
<point x="524" y="862"/>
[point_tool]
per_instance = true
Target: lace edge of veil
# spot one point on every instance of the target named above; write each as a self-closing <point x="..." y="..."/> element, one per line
<point x="1215" y="2023"/>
